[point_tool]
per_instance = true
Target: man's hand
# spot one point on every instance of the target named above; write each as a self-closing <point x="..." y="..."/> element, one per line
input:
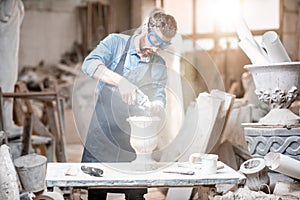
<point x="156" y="110"/>
<point x="127" y="91"/>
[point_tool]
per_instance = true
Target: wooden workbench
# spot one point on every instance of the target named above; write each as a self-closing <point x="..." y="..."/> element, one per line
<point x="124" y="175"/>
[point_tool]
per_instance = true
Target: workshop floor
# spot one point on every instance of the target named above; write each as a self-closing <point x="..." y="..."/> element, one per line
<point x="74" y="152"/>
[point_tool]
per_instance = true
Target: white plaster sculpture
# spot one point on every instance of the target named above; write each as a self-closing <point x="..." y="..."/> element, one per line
<point x="258" y="108"/>
<point x="257" y="174"/>
<point x="283" y="164"/>
<point x="11" y="16"/>
<point x="248" y="44"/>
<point x="8" y="176"/>
<point x="274" y="47"/>
<point x="278" y="86"/>
<point x="144" y="138"/>
<point x="203" y="124"/>
<point x="251" y="51"/>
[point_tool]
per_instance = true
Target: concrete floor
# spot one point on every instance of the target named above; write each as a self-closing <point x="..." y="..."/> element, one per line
<point x="74" y="153"/>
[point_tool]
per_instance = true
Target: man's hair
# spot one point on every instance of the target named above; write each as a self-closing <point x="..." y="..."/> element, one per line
<point x="164" y="22"/>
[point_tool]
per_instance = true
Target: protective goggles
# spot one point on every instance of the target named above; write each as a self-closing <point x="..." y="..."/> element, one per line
<point x="156" y="41"/>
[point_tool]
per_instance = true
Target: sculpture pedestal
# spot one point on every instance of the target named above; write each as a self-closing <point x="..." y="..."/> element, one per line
<point x="282" y="117"/>
<point x="263" y="139"/>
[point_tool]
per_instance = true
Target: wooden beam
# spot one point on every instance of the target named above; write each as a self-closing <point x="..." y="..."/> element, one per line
<point x="1" y="111"/>
<point x="89" y="25"/>
<point x="27" y="132"/>
<point x="221" y="34"/>
<point x="31" y="95"/>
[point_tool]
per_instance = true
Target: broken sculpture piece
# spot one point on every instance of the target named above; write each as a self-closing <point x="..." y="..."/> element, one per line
<point x="257" y="174"/>
<point x="283" y="164"/>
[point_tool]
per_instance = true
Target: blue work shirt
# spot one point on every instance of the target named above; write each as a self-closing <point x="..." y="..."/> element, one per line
<point x="109" y="51"/>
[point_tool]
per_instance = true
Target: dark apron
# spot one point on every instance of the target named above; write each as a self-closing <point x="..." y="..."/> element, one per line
<point x="108" y="138"/>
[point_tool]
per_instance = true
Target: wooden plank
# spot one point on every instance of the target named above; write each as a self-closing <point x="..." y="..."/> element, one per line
<point x="1" y="111"/>
<point x="54" y="130"/>
<point x="39" y="128"/>
<point x="60" y="110"/>
<point x="82" y="19"/>
<point x="27" y="132"/>
<point x="89" y="25"/>
<point x="76" y="194"/>
<point x="61" y="124"/>
<point x="107" y="19"/>
<point x="3" y="134"/>
<point x="49" y="144"/>
<point x="36" y="140"/>
<point x="31" y="95"/>
<point x="203" y="193"/>
<point x="57" y="128"/>
<point x="43" y="132"/>
<point x="18" y="112"/>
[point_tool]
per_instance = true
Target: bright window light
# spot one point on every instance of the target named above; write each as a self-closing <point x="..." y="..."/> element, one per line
<point x="212" y="14"/>
<point x="261" y="14"/>
<point x="205" y="44"/>
<point x="221" y="16"/>
<point x="215" y="15"/>
<point x="182" y="13"/>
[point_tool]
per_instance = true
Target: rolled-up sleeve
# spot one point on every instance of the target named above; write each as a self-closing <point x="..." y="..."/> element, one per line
<point x="102" y="54"/>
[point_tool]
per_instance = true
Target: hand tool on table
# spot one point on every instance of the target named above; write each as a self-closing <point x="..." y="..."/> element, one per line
<point x="93" y="171"/>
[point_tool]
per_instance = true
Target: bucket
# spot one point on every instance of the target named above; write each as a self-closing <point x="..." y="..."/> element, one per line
<point x="31" y="169"/>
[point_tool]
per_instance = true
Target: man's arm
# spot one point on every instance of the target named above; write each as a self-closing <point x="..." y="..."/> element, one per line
<point x="106" y="75"/>
<point x="95" y="66"/>
<point x="127" y="89"/>
<point x="103" y="54"/>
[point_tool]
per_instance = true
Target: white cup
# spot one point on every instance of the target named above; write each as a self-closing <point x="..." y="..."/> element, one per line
<point x="206" y="162"/>
<point x="195" y="158"/>
<point x="209" y="164"/>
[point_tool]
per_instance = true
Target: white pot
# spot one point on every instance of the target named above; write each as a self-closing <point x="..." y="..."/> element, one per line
<point x="277" y="85"/>
<point x="144" y="136"/>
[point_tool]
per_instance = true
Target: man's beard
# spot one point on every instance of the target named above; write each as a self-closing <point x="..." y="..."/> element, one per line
<point x="147" y="52"/>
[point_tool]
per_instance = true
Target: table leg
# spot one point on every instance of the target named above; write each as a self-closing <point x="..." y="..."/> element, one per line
<point x="76" y="193"/>
<point x="205" y="191"/>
